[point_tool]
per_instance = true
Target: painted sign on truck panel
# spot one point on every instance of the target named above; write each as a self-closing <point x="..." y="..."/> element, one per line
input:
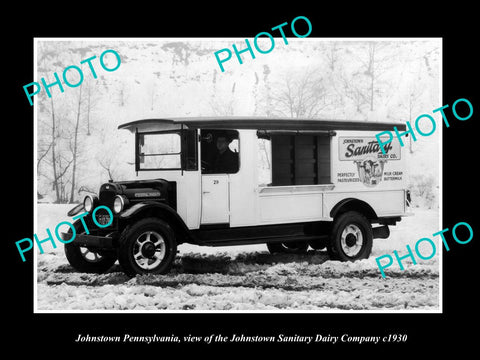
<point x="370" y="163"/>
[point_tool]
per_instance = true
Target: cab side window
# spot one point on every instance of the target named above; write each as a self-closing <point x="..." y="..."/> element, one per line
<point x="158" y="151"/>
<point x="220" y="151"/>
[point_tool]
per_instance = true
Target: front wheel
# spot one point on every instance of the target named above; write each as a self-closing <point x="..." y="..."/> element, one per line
<point x="147" y="247"/>
<point x="351" y="237"/>
<point x="86" y="260"/>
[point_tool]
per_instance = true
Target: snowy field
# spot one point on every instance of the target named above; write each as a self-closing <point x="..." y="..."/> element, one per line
<point x="247" y="277"/>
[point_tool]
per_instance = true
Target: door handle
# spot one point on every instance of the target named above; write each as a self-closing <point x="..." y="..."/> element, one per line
<point x="205" y="192"/>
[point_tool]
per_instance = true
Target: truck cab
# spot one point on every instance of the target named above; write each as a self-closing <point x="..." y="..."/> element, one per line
<point x="289" y="183"/>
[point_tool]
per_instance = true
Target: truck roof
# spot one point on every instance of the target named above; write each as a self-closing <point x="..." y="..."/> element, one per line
<point x="263" y="123"/>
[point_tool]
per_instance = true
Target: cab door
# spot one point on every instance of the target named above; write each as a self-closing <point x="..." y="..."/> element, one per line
<point x="215" y="199"/>
<point x="219" y="155"/>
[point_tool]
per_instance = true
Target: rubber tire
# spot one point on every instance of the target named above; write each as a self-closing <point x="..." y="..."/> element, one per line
<point x="78" y="262"/>
<point x="127" y="241"/>
<point x="299" y="247"/>
<point x="350" y="217"/>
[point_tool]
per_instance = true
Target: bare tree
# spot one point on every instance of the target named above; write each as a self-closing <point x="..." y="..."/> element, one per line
<point x="224" y="105"/>
<point x="108" y="165"/>
<point x="84" y="104"/>
<point x="364" y="85"/>
<point x="300" y="96"/>
<point x="58" y="163"/>
<point x="52" y="130"/>
<point x="108" y="155"/>
<point x="42" y="153"/>
<point x="331" y="56"/>
<point x="52" y="147"/>
<point x="91" y="102"/>
<point x="84" y="188"/>
<point x="410" y="103"/>
<point x="61" y="180"/>
<point x="74" y="146"/>
<point x="64" y="119"/>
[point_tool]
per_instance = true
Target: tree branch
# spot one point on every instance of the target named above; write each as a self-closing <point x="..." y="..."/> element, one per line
<point x="45" y="153"/>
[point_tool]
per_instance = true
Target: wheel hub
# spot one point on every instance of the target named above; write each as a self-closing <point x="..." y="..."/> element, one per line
<point x="148" y="249"/>
<point x="350" y="240"/>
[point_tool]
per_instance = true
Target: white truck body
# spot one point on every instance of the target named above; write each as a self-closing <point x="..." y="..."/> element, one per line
<point x="358" y="170"/>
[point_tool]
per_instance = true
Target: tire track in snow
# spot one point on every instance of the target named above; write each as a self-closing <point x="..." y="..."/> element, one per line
<point x="256" y="279"/>
<point x="339" y="294"/>
<point x="289" y="276"/>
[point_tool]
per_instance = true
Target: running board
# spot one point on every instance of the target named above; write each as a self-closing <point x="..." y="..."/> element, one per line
<point x="221" y="235"/>
<point x="260" y="240"/>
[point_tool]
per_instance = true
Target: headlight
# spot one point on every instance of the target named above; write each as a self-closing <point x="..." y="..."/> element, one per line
<point x="118" y="204"/>
<point x="89" y="202"/>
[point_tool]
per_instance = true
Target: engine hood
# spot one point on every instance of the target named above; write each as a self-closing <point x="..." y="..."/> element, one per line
<point x="138" y="191"/>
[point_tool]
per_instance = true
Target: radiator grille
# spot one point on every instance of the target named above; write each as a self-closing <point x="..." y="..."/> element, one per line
<point x="107" y="197"/>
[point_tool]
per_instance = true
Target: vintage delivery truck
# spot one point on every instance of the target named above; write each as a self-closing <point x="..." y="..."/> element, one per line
<point x="289" y="183"/>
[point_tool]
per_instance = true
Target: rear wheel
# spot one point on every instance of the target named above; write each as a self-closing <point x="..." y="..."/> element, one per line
<point x="147" y="247"/>
<point x="351" y="237"/>
<point x="293" y="247"/>
<point x="88" y="260"/>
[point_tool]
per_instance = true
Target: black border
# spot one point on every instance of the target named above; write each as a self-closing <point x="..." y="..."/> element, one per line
<point x="427" y="333"/>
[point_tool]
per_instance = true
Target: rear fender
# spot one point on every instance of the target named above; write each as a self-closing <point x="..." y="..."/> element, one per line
<point x="352" y="204"/>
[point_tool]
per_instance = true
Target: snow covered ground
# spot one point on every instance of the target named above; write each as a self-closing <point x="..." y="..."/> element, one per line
<point x="248" y="277"/>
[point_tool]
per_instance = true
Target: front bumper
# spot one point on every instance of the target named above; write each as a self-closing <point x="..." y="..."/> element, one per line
<point x="90" y="241"/>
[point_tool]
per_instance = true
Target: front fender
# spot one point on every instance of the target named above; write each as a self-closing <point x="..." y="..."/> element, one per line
<point x="161" y="210"/>
<point x="140" y="207"/>
<point x="137" y="208"/>
<point x="76" y="210"/>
